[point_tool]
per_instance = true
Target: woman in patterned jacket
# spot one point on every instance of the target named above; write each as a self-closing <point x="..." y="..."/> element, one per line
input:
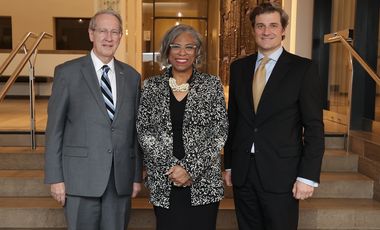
<point x="182" y="126"/>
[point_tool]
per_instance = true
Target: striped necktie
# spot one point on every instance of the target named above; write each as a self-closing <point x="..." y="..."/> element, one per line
<point x="259" y="82"/>
<point x="106" y="89"/>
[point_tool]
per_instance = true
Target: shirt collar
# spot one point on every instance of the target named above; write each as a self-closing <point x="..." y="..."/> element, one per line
<point x="99" y="64"/>
<point x="273" y="56"/>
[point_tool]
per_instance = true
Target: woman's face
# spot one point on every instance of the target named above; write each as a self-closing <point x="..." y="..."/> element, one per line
<point x="182" y="53"/>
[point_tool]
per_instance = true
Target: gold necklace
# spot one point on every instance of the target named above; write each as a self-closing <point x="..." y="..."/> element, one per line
<point x="178" y="88"/>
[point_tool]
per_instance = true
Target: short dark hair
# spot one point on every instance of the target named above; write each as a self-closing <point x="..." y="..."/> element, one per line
<point x="269" y="8"/>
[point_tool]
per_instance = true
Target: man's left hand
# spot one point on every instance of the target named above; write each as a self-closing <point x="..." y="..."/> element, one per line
<point x="136" y="189"/>
<point x="302" y="191"/>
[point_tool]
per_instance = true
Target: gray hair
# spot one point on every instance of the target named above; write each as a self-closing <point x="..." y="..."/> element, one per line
<point x="92" y="24"/>
<point x="172" y="34"/>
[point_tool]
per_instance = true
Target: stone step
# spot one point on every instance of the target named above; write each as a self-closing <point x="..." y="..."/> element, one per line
<point x="22" y="138"/>
<point x="333" y="185"/>
<point x="339" y="161"/>
<point x="337" y="185"/>
<point x="17" y="183"/>
<point x="335" y="140"/>
<point x="26" y="158"/>
<point x="21" y="158"/>
<point x="344" y="185"/>
<point x="44" y="212"/>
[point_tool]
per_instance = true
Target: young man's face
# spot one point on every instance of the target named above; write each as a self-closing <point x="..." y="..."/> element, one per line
<point x="268" y="32"/>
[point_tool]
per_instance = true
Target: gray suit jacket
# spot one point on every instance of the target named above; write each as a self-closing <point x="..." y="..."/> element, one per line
<point x="81" y="142"/>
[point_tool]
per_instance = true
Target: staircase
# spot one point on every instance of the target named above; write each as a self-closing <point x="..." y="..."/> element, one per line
<point x="343" y="200"/>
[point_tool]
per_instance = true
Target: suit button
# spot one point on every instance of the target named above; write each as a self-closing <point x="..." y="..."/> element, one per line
<point x="256" y="130"/>
<point x="109" y="151"/>
<point x="112" y="129"/>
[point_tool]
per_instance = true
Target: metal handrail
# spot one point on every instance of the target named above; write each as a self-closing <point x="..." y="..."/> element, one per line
<point x="22" y="64"/>
<point x="15" y="51"/>
<point x="343" y="37"/>
<point x="15" y="74"/>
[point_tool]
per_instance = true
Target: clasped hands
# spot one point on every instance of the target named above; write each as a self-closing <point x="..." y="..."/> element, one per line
<point x="179" y="176"/>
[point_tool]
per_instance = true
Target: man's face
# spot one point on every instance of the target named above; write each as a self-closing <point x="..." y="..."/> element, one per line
<point x="105" y="37"/>
<point x="268" y="32"/>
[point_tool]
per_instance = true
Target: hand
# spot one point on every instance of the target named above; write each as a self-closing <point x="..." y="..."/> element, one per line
<point x="227" y="178"/>
<point x="136" y="189"/>
<point x="179" y="176"/>
<point x="57" y="191"/>
<point x="302" y="191"/>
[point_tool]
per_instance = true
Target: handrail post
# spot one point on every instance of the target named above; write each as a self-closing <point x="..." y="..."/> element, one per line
<point x="32" y="101"/>
<point x="15" y="74"/>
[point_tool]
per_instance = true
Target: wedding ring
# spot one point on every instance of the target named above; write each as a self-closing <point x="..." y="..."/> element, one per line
<point x="175" y="184"/>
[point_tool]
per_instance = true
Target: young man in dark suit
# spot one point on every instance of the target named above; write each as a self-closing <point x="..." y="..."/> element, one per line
<point x="275" y="145"/>
<point x="92" y="162"/>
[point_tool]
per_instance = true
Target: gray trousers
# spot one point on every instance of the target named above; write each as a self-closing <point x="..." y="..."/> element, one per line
<point x="108" y="212"/>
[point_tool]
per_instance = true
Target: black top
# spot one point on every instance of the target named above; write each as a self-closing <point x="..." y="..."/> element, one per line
<point x="177" y="111"/>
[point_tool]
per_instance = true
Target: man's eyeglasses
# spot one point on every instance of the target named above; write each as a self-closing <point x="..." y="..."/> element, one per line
<point x="105" y="32"/>
<point x="189" y="49"/>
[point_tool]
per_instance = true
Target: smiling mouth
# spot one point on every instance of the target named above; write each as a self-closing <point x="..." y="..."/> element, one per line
<point x="181" y="60"/>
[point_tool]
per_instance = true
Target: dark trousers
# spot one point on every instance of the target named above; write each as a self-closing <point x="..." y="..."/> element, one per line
<point x="257" y="209"/>
<point x="108" y="212"/>
<point x="181" y="215"/>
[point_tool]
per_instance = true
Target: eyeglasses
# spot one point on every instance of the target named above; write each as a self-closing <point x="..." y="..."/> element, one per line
<point x="105" y="32"/>
<point x="189" y="49"/>
<point x="271" y="27"/>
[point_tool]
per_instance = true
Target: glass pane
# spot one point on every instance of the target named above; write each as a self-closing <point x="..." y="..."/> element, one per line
<point x="343" y="18"/>
<point x="339" y="78"/>
<point x="5" y="33"/>
<point x="377" y="102"/>
<point x="181" y="8"/>
<point x="72" y="34"/>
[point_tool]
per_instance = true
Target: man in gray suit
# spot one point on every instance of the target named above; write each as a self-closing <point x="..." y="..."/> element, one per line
<point x="92" y="162"/>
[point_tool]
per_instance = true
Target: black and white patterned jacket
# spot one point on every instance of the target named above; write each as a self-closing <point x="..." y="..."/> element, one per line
<point x="205" y="128"/>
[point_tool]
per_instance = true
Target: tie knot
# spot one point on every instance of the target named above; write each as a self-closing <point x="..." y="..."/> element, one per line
<point x="106" y="68"/>
<point x="265" y="60"/>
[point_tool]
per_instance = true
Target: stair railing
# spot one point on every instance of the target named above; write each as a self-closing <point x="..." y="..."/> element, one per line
<point x="345" y="37"/>
<point x="12" y="55"/>
<point x="27" y="58"/>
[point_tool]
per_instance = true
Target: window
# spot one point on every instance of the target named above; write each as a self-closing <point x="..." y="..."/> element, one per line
<point x="72" y="34"/>
<point x="5" y="32"/>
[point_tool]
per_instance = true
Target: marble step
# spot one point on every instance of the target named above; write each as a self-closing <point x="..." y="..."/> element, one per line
<point x="333" y="185"/>
<point x="21" y="158"/>
<point x="31" y="212"/>
<point x="337" y="185"/>
<point x="339" y="161"/>
<point x="26" y="158"/>
<point x="22" y="139"/>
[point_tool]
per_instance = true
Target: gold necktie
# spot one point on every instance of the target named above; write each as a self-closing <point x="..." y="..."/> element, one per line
<point x="259" y="82"/>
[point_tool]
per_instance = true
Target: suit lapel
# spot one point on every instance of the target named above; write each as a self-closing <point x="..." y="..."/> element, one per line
<point x="89" y="75"/>
<point x="247" y="71"/>
<point x="121" y="82"/>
